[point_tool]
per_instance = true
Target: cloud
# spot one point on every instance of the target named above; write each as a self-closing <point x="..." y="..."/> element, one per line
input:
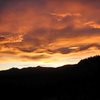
<point x="31" y="28"/>
<point x="38" y="57"/>
<point x="7" y="37"/>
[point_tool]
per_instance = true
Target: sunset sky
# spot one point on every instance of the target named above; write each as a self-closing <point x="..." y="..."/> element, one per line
<point x="48" y="33"/>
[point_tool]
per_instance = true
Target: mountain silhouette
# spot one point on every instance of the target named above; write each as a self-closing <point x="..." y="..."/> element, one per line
<point x="69" y="82"/>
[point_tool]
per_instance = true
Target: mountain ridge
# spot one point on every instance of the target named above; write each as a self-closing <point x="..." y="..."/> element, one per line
<point x="79" y="81"/>
<point x="92" y="59"/>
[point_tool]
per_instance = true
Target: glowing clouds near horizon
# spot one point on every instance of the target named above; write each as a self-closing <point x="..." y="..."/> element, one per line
<point x="48" y="32"/>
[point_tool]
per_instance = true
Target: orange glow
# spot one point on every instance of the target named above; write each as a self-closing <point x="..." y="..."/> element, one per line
<point x="48" y="32"/>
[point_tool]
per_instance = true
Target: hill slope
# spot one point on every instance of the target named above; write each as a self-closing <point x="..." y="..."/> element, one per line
<point x="69" y="82"/>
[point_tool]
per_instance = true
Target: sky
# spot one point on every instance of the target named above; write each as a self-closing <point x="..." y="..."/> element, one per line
<point x="48" y="33"/>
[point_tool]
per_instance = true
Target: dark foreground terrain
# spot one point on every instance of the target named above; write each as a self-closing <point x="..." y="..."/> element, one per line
<point x="69" y="82"/>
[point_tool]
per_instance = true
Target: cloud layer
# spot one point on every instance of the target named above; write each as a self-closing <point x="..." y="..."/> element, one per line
<point x="48" y="31"/>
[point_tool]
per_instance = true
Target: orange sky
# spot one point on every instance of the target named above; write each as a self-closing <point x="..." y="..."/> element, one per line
<point x="48" y="32"/>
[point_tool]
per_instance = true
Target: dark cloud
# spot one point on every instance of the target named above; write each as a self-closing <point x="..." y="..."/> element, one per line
<point x="2" y="38"/>
<point x="92" y="3"/>
<point x="39" y="57"/>
<point x="27" y="49"/>
<point x="61" y="50"/>
<point x="87" y="46"/>
<point x="88" y="31"/>
<point x="75" y="48"/>
<point x="9" y="52"/>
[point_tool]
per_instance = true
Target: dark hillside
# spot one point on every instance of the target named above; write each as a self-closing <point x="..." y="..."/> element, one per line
<point x="69" y="82"/>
